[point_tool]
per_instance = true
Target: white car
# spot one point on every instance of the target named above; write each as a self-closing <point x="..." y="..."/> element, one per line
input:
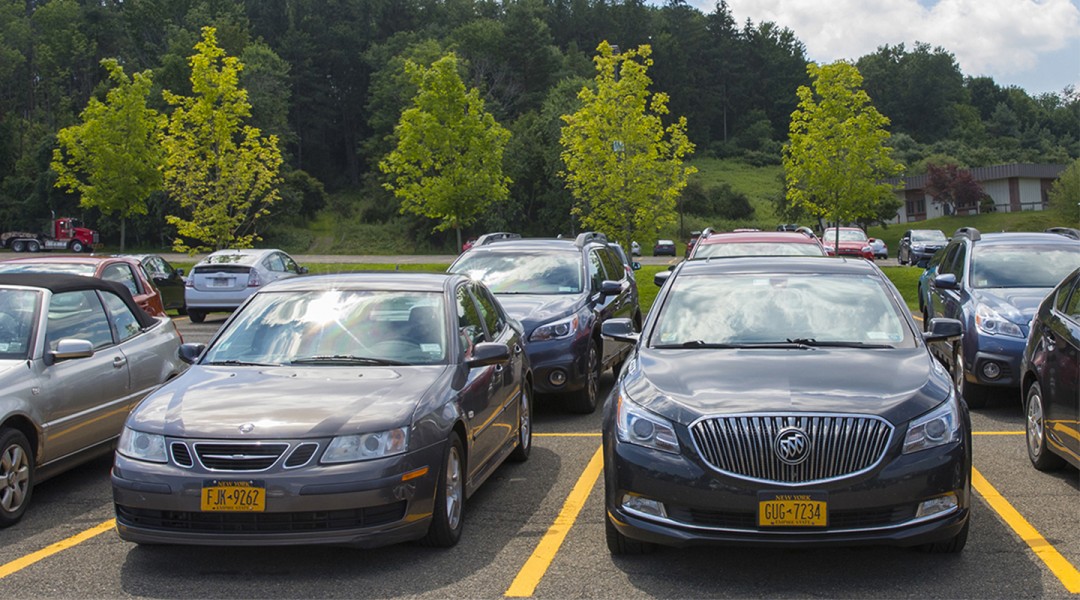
<point x="222" y="281"/>
<point x="635" y="249"/>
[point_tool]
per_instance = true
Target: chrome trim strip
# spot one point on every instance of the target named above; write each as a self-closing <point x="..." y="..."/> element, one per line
<point x="199" y="457"/>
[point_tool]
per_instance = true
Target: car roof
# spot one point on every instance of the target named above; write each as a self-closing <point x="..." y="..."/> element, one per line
<point x="745" y="237"/>
<point x="367" y="280"/>
<point x="1024" y="237"/>
<point x="544" y="244"/>
<point x="58" y="283"/>
<point x="826" y="265"/>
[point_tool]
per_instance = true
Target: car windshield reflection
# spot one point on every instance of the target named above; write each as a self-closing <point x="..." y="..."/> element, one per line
<point x="525" y="273"/>
<point x="758" y="249"/>
<point x="18" y="314"/>
<point x="805" y="311"/>
<point x="335" y="328"/>
<point x="1022" y="266"/>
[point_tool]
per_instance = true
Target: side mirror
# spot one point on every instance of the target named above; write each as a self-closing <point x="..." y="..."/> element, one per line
<point x="189" y="353"/>
<point x="301" y="270"/>
<point x="179" y="272"/>
<point x="661" y="278"/>
<point x="620" y="330"/>
<point x="488" y="353"/>
<point x="635" y="266"/>
<point x="945" y="281"/>
<point x="943" y="330"/>
<point x="69" y="348"/>
<point x="610" y="288"/>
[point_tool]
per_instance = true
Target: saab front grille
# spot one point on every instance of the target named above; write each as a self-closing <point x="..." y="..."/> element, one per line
<point x="746" y="445"/>
<point x="181" y="455"/>
<point x="239" y="457"/>
<point x="301" y="455"/>
<point x="265" y="522"/>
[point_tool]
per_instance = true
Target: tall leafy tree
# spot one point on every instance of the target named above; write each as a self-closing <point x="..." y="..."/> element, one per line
<point x="1064" y="197"/>
<point x="448" y="161"/>
<point x="623" y="166"/>
<point x="836" y="154"/>
<point x="221" y="172"/>
<point x="113" y="158"/>
<point x="953" y="186"/>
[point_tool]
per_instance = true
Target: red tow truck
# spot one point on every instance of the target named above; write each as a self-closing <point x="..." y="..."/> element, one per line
<point x="67" y="234"/>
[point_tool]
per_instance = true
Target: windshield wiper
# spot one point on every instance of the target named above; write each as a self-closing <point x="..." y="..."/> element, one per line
<point x="835" y="344"/>
<point x="347" y="359"/>
<point x="711" y="345"/>
<point x="241" y="363"/>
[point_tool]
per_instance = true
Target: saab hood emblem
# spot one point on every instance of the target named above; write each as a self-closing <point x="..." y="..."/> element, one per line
<point x="247" y="428"/>
<point x="792" y="446"/>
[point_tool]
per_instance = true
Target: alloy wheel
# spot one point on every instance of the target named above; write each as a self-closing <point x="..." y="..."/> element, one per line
<point x="453" y="487"/>
<point x="14" y="478"/>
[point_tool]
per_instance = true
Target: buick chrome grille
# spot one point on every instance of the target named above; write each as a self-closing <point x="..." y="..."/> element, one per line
<point x="835" y="445"/>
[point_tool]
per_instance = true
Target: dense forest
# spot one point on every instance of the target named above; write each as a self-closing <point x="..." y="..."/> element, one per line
<point x="327" y="78"/>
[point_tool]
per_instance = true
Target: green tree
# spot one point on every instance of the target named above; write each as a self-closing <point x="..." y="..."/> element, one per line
<point x="222" y="173"/>
<point x="1064" y="197"/>
<point x="836" y="154"/>
<point x="623" y="167"/>
<point x="113" y="158"/>
<point x="448" y="161"/>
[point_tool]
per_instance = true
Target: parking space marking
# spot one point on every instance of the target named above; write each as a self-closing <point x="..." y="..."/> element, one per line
<point x="1058" y="564"/>
<point x="25" y="561"/>
<point x="524" y="585"/>
<point x="997" y="433"/>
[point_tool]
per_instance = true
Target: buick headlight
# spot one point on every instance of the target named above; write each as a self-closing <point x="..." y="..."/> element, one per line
<point x="988" y="320"/>
<point x="556" y="330"/>
<point x="149" y="447"/>
<point x="635" y="425"/>
<point x="366" y="446"/>
<point x="936" y="428"/>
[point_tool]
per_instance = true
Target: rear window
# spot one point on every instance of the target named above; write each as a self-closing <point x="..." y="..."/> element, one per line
<point x="758" y="249"/>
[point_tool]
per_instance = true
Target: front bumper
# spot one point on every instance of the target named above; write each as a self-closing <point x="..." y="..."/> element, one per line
<point x="555" y="360"/>
<point x="704" y="506"/>
<point x="1003" y="353"/>
<point x="365" y="504"/>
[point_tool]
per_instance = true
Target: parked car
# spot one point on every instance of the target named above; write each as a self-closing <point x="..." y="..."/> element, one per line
<point x="76" y="354"/>
<point x="168" y="280"/>
<point x="879" y="248"/>
<point x="127" y="271"/>
<point x="224" y="279"/>
<point x="1050" y="372"/>
<point x="993" y="283"/>
<point x="755" y="243"/>
<point x="694" y="235"/>
<point x="358" y="409"/>
<point x="753" y="410"/>
<point x="918" y="246"/>
<point x="628" y="264"/>
<point x="489" y="238"/>
<point x="635" y="249"/>
<point x="561" y="291"/>
<point x="664" y="248"/>
<point x="852" y="242"/>
<point x="787" y="227"/>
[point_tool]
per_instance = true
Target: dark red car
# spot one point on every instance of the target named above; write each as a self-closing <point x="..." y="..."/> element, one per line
<point x="853" y="242"/>
<point x="127" y="271"/>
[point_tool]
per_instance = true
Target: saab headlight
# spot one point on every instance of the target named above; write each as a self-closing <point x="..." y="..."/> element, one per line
<point x="989" y="321"/>
<point x="366" y="446"/>
<point x="556" y="330"/>
<point x="149" y="447"/>
<point x="936" y="428"/>
<point x="635" y="425"/>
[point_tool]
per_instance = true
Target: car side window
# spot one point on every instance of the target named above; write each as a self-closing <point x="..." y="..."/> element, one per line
<point x="489" y="311"/>
<point x="1072" y="305"/>
<point x="470" y="327"/>
<point x="125" y="322"/>
<point x="274" y="263"/>
<point x="122" y="273"/>
<point x="290" y="264"/>
<point x="612" y="264"/>
<point x="956" y="267"/>
<point x="77" y="315"/>
<point x="596" y="270"/>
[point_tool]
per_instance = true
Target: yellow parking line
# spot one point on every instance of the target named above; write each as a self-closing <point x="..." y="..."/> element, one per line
<point x="916" y="317"/>
<point x="25" y="561"/>
<point x="597" y="434"/>
<point x="1059" y="566"/>
<point x="530" y="575"/>
<point x="997" y="433"/>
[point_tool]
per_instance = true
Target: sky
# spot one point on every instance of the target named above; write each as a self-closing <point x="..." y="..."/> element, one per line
<point x="1033" y="44"/>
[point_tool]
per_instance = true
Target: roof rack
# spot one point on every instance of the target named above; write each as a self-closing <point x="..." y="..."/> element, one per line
<point x="1068" y="232"/>
<point x="968" y="232"/>
<point x="705" y="233"/>
<point x="590" y="236"/>
<point x="496" y="236"/>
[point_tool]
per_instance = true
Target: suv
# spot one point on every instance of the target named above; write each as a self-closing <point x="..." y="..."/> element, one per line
<point x="993" y="284"/>
<point x="918" y="246"/>
<point x="561" y="291"/>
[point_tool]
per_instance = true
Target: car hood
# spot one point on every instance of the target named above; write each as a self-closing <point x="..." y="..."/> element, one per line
<point x="288" y="402"/>
<point x="684" y="385"/>
<point x="1015" y="304"/>
<point x="536" y="309"/>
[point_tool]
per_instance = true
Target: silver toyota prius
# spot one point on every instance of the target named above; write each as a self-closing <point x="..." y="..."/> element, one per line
<point x="356" y="409"/>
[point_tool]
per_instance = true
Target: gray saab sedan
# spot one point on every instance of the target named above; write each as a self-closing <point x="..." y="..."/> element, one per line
<point x="76" y="354"/>
<point x="784" y="401"/>
<point x="357" y="409"/>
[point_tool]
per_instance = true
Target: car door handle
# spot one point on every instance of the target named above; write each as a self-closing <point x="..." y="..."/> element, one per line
<point x="119" y="362"/>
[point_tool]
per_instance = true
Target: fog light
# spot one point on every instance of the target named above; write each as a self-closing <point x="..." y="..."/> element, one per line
<point x="557" y="377"/>
<point x="936" y="505"/>
<point x="642" y="505"/>
<point x="991" y="370"/>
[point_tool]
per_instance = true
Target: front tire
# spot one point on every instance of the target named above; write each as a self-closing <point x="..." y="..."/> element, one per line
<point x="620" y="545"/>
<point x="16" y="476"/>
<point x="196" y="316"/>
<point x="524" y="442"/>
<point x="584" y="401"/>
<point x="448" y="516"/>
<point x="1035" y="432"/>
<point x="951" y="546"/>
<point x="77" y="247"/>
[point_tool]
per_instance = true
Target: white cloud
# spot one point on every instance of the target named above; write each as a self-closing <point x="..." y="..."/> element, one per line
<point x="1002" y="38"/>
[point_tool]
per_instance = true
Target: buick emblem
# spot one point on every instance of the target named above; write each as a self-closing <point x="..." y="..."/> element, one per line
<point x="791" y="446"/>
<point x="247" y="428"/>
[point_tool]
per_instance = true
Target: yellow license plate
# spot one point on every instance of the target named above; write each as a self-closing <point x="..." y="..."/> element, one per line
<point x="792" y="510"/>
<point x="233" y="496"/>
